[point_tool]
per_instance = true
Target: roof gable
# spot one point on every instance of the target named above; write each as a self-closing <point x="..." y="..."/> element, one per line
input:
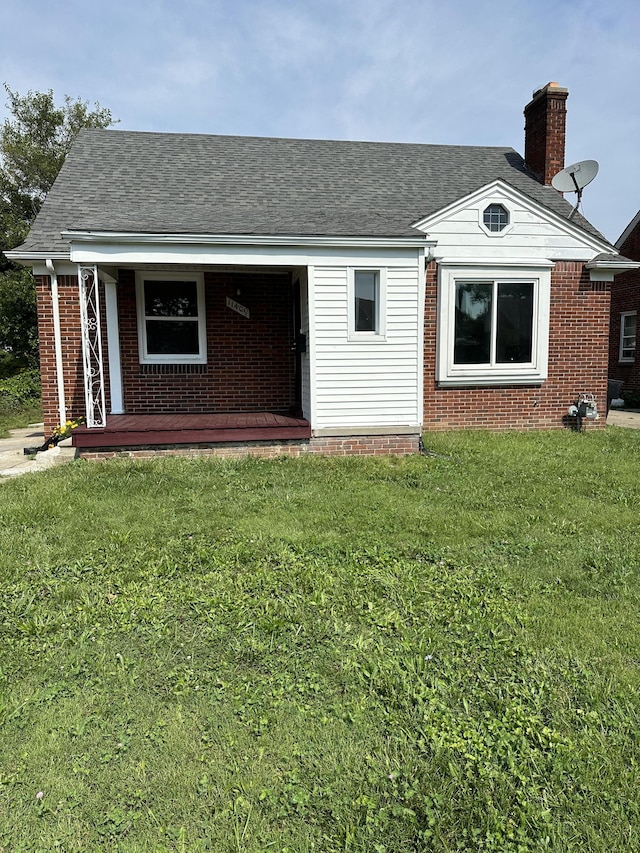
<point x="531" y="225"/>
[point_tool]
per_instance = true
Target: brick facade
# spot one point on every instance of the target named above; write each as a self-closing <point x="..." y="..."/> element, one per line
<point x="577" y="363"/>
<point x="544" y="132"/>
<point x="250" y="365"/>
<point x="255" y="372"/>
<point x="625" y="296"/>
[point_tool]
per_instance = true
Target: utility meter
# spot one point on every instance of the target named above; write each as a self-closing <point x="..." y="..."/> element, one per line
<point x="584" y="407"/>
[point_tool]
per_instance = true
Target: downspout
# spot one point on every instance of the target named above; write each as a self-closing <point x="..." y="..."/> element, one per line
<point x="57" y="337"/>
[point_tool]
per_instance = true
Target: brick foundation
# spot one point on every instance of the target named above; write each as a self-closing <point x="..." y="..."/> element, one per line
<point x="365" y="445"/>
<point x="376" y="445"/>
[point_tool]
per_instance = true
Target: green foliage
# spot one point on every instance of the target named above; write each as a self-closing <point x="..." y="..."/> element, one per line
<point x="34" y="142"/>
<point x="18" y="317"/>
<point x="33" y="146"/>
<point x="19" y="391"/>
<point x="432" y="653"/>
<point x="631" y="399"/>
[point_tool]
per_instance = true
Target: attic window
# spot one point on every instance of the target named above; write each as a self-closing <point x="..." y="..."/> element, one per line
<point x="495" y="218"/>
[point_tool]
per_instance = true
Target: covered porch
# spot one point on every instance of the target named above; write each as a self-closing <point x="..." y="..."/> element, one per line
<point x="174" y="358"/>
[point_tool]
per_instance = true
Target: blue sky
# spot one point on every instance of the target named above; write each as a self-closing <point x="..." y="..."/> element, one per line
<point x="445" y="71"/>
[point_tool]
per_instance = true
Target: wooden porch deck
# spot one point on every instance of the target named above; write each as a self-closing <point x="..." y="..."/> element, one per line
<point x="177" y="429"/>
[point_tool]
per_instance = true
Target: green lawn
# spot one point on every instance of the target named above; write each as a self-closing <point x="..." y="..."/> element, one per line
<point x="24" y="417"/>
<point x="434" y="653"/>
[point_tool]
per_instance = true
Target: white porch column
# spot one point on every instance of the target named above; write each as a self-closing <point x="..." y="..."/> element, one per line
<point x="57" y="340"/>
<point x="91" y="345"/>
<point x="113" y="340"/>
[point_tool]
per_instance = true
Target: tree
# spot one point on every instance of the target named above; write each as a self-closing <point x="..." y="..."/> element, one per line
<point x="33" y="145"/>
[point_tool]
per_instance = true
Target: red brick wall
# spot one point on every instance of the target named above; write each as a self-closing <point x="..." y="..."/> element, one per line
<point x="250" y="366"/>
<point x="545" y="120"/>
<point x="69" y="305"/>
<point x="577" y="363"/>
<point x="625" y="296"/>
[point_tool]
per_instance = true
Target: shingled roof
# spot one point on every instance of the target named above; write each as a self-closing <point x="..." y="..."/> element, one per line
<point x="162" y="183"/>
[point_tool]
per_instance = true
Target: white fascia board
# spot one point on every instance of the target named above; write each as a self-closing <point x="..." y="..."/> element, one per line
<point x="607" y="270"/>
<point x="176" y="240"/>
<point x="512" y="194"/>
<point x="614" y="266"/>
<point x="138" y="255"/>
<point x="28" y="259"/>
<point x="529" y="263"/>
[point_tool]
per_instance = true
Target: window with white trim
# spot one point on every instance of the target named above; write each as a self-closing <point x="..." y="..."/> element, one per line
<point x="171" y="318"/>
<point x="628" y="332"/>
<point x="495" y="217"/>
<point x="493" y="326"/>
<point x="367" y="292"/>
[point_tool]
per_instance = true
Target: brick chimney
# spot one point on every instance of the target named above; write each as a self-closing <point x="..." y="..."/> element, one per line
<point x="544" y="131"/>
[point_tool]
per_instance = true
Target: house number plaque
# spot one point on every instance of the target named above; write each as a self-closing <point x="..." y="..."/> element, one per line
<point x="239" y="309"/>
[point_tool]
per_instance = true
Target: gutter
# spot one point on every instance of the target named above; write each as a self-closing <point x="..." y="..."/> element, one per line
<point x="57" y="337"/>
<point x="129" y="237"/>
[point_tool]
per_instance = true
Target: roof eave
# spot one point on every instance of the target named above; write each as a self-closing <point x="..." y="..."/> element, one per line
<point x="132" y="237"/>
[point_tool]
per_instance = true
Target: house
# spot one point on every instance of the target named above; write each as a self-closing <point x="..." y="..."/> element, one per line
<point x="289" y="295"/>
<point x="624" y="365"/>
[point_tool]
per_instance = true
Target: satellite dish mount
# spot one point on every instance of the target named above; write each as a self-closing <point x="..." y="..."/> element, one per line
<point x="574" y="178"/>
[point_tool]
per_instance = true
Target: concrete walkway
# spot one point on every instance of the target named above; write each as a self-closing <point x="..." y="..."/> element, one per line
<point x="624" y="418"/>
<point x="13" y="461"/>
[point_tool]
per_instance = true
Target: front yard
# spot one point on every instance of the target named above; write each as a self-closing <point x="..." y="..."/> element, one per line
<point x="433" y="653"/>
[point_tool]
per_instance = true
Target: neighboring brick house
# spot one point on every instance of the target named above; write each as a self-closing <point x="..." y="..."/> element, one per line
<point x="298" y="296"/>
<point x="624" y="361"/>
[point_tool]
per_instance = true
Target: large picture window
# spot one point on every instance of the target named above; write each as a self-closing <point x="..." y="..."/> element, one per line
<point x="628" y="330"/>
<point x="493" y="326"/>
<point x="171" y="322"/>
<point x="493" y="322"/>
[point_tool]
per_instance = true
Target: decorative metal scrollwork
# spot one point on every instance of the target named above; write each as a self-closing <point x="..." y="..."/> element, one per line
<point x="91" y="346"/>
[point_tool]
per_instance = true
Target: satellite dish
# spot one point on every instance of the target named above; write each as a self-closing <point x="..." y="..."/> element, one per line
<point x="573" y="179"/>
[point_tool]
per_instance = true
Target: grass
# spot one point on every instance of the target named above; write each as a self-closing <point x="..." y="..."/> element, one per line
<point x="434" y="653"/>
<point x="31" y="414"/>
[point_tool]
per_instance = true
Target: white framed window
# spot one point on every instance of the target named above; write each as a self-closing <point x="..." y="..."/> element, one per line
<point x="367" y="304"/>
<point x="493" y="325"/>
<point x="495" y="219"/>
<point x="628" y="333"/>
<point x="171" y="318"/>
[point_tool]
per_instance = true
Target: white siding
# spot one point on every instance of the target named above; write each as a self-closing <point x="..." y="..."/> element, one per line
<point x="374" y="382"/>
<point x="533" y="232"/>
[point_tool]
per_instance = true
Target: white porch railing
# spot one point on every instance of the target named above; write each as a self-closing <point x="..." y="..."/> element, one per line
<point x="91" y="346"/>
